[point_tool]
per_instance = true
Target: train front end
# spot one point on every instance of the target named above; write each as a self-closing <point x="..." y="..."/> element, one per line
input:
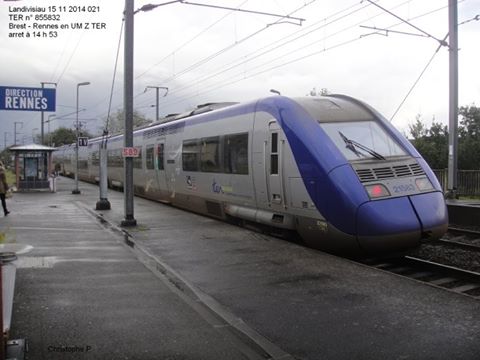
<point x="399" y="201"/>
<point x="372" y="183"/>
<point x="404" y="206"/>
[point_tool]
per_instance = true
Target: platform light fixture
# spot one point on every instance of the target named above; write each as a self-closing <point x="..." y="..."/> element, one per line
<point x="76" y="191"/>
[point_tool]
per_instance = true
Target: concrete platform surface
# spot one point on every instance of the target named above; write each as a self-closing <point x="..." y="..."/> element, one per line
<point x="191" y="287"/>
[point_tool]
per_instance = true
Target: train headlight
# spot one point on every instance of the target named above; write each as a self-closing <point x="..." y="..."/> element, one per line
<point x="423" y="184"/>
<point x="377" y="191"/>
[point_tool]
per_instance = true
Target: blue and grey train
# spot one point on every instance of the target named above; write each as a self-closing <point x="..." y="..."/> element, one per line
<point x="330" y="169"/>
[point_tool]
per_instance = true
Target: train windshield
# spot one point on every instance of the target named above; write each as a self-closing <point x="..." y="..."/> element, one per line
<point x="362" y="140"/>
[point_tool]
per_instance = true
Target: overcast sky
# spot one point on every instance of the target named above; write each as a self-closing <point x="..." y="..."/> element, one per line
<point x="208" y="55"/>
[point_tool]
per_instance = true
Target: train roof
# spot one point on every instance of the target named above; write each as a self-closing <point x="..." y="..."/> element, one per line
<point x="330" y="108"/>
<point x="335" y="108"/>
<point x="200" y="109"/>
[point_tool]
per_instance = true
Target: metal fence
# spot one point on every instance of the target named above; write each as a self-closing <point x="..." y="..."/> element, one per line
<point x="468" y="181"/>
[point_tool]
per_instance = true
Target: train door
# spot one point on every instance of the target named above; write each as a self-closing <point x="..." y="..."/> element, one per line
<point x="160" y="174"/>
<point x="172" y="156"/>
<point x="275" y="144"/>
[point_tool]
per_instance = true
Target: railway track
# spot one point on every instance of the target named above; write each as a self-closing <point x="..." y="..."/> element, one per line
<point x="452" y="262"/>
<point x="454" y="279"/>
<point x="462" y="238"/>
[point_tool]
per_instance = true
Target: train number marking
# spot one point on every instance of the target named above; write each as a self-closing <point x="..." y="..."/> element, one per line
<point x="403" y="188"/>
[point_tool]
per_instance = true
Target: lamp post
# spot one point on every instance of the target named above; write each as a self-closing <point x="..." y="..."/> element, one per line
<point x="76" y="191"/>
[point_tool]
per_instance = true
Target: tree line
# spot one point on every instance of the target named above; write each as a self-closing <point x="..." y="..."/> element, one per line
<point x="432" y="143"/>
<point x="114" y="125"/>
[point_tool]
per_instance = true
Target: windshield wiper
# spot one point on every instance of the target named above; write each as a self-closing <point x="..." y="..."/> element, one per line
<point x="352" y="145"/>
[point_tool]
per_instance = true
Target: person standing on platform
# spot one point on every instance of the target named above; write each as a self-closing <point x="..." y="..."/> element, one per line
<point x="3" y="188"/>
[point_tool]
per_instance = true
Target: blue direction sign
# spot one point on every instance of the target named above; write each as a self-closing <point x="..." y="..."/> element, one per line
<point x="27" y="99"/>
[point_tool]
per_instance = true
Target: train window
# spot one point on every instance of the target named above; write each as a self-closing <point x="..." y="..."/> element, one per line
<point x="359" y="140"/>
<point x="149" y="161"/>
<point x="235" y="154"/>
<point x="160" y="157"/>
<point x="137" y="161"/>
<point x="274" y="154"/>
<point x="274" y="164"/>
<point x="210" y="154"/>
<point x="274" y="143"/>
<point x="190" y="155"/>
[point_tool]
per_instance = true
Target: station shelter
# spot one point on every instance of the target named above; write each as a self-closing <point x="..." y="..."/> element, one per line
<point x="33" y="166"/>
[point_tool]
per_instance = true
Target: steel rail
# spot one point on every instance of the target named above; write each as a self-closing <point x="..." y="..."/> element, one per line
<point x="451" y="278"/>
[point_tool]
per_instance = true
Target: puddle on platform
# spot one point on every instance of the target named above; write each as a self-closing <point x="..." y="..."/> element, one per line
<point x="45" y="262"/>
<point x="48" y="262"/>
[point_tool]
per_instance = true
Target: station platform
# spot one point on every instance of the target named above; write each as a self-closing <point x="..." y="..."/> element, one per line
<point x="184" y="286"/>
<point x="464" y="212"/>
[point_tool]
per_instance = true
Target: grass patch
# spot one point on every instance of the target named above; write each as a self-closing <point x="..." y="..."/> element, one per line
<point x="472" y="197"/>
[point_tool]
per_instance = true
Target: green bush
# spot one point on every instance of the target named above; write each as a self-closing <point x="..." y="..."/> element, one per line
<point x="11" y="178"/>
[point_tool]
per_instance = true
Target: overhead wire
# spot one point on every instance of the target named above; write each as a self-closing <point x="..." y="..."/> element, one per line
<point x="236" y="43"/>
<point x="61" y="56"/>
<point x="178" y="49"/>
<point x="189" y="41"/>
<point x="294" y="51"/>
<point x="218" y="53"/>
<point x="249" y="57"/>
<point x="231" y="81"/>
<point x="475" y="18"/>
<point x="70" y="58"/>
<point x="262" y="51"/>
<point x="235" y="78"/>
<point x="418" y="78"/>
<point x="408" y="23"/>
